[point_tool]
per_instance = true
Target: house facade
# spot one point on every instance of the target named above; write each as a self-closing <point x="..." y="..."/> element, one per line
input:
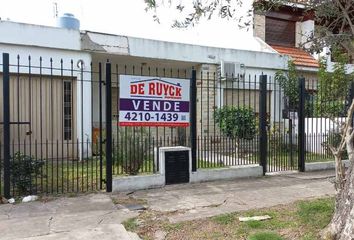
<point x="60" y="102"/>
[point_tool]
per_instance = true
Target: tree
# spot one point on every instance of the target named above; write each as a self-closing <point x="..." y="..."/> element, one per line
<point x="334" y="27"/>
<point x="330" y="103"/>
<point x="334" y="18"/>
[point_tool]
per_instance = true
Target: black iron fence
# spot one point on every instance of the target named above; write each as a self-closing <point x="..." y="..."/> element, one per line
<point x="242" y="120"/>
<point x="60" y="128"/>
<point x="46" y="112"/>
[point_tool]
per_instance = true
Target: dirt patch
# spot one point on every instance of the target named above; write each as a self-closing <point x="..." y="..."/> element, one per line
<point x="285" y="222"/>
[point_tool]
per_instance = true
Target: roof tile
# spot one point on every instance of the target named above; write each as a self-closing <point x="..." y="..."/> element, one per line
<point x="299" y="56"/>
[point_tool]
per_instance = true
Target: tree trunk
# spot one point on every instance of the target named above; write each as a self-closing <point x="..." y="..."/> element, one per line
<point x="340" y="170"/>
<point x="342" y="224"/>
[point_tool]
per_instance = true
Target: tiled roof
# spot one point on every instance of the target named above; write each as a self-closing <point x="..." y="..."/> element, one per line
<point x="299" y="56"/>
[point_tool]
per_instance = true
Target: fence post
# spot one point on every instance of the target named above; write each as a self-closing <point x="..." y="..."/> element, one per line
<point x="193" y="118"/>
<point x="263" y="139"/>
<point x="100" y="121"/>
<point x="6" y="114"/>
<point x="301" y="123"/>
<point x="351" y="97"/>
<point x="351" y="94"/>
<point x="108" y="128"/>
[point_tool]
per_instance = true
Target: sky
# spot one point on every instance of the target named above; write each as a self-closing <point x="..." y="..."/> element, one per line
<point x="128" y="17"/>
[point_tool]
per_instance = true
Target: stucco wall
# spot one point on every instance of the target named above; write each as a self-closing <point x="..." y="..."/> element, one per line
<point x="41" y="36"/>
<point x="83" y="101"/>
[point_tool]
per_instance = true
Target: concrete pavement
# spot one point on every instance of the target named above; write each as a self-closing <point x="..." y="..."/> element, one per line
<point x="193" y="201"/>
<point x="91" y="216"/>
<point x="95" y="216"/>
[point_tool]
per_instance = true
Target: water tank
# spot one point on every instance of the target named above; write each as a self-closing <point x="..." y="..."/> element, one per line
<point x="69" y="21"/>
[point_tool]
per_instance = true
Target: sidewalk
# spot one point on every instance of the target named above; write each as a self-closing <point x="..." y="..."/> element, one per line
<point x="95" y="216"/>
<point x="193" y="201"/>
<point x="91" y="216"/>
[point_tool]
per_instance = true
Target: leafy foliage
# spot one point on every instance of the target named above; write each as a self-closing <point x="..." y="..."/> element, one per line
<point x="24" y="170"/>
<point x="288" y="81"/>
<point x="332" y="88"/>
<point x="236" y="122"/>
<point x="192" y="12"/>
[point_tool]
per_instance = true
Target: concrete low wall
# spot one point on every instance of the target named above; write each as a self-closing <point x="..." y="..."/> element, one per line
<point x="318" y="166"/>
<point x="226" y="173"/>
<point x="133" y="183"/>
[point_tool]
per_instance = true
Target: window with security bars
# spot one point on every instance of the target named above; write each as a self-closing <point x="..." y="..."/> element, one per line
<point x="67" y="110"/>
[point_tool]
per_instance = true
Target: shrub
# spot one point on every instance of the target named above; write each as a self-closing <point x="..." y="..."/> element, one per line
<point x="134" y="150"/>
<point x="236" y="122"/>
<point x="24" y="170"/>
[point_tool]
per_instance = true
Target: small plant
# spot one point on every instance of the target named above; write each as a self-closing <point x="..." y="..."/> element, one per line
<point x="131" y="224"/>
<point x="134" y="150"/>
<point x="289" y="83"/>
<point x="24" y="170"/>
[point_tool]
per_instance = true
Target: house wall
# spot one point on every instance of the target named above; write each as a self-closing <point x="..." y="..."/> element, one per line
<point x="40" y="36"/>
<point x="36" y="104"/>
<point x="52" y="44"/>
<point x="303" y="31"/>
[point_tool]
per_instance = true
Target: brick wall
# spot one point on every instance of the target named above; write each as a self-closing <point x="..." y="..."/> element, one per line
<point x="259" y="26"/>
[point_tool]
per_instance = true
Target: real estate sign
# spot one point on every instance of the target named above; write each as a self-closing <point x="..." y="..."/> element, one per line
<point x="153" y="101"/>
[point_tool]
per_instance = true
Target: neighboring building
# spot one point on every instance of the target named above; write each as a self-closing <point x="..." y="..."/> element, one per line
<point x="286" y="30"/>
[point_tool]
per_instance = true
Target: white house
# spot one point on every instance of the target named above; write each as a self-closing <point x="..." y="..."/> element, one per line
<point x="86" y="49"/>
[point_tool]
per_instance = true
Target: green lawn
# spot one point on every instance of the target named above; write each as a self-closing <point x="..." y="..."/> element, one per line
<point x="202" y="164"/>
<point x="302" y="220"/>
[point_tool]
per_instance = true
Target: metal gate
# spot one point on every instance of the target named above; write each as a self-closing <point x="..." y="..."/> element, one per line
<point x="48" y="145"/>
<point x="281" y="126"/>
<point x="264" y="128"/>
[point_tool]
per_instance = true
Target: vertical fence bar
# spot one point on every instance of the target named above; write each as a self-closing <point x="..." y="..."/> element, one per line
<point x="6" y="114"/>
<point x="263" y="144"/>
<point x="193" y="118"/>
<point x="100" y="121"/>
<point x="108" y="128"/>
<point x="301" y="119"/>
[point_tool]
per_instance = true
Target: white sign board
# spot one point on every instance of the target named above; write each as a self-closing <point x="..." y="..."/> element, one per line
<point x="153" y="101"/>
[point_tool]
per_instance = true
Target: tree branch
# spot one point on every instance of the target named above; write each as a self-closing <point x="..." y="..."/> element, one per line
<point x="347" y="17"/>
